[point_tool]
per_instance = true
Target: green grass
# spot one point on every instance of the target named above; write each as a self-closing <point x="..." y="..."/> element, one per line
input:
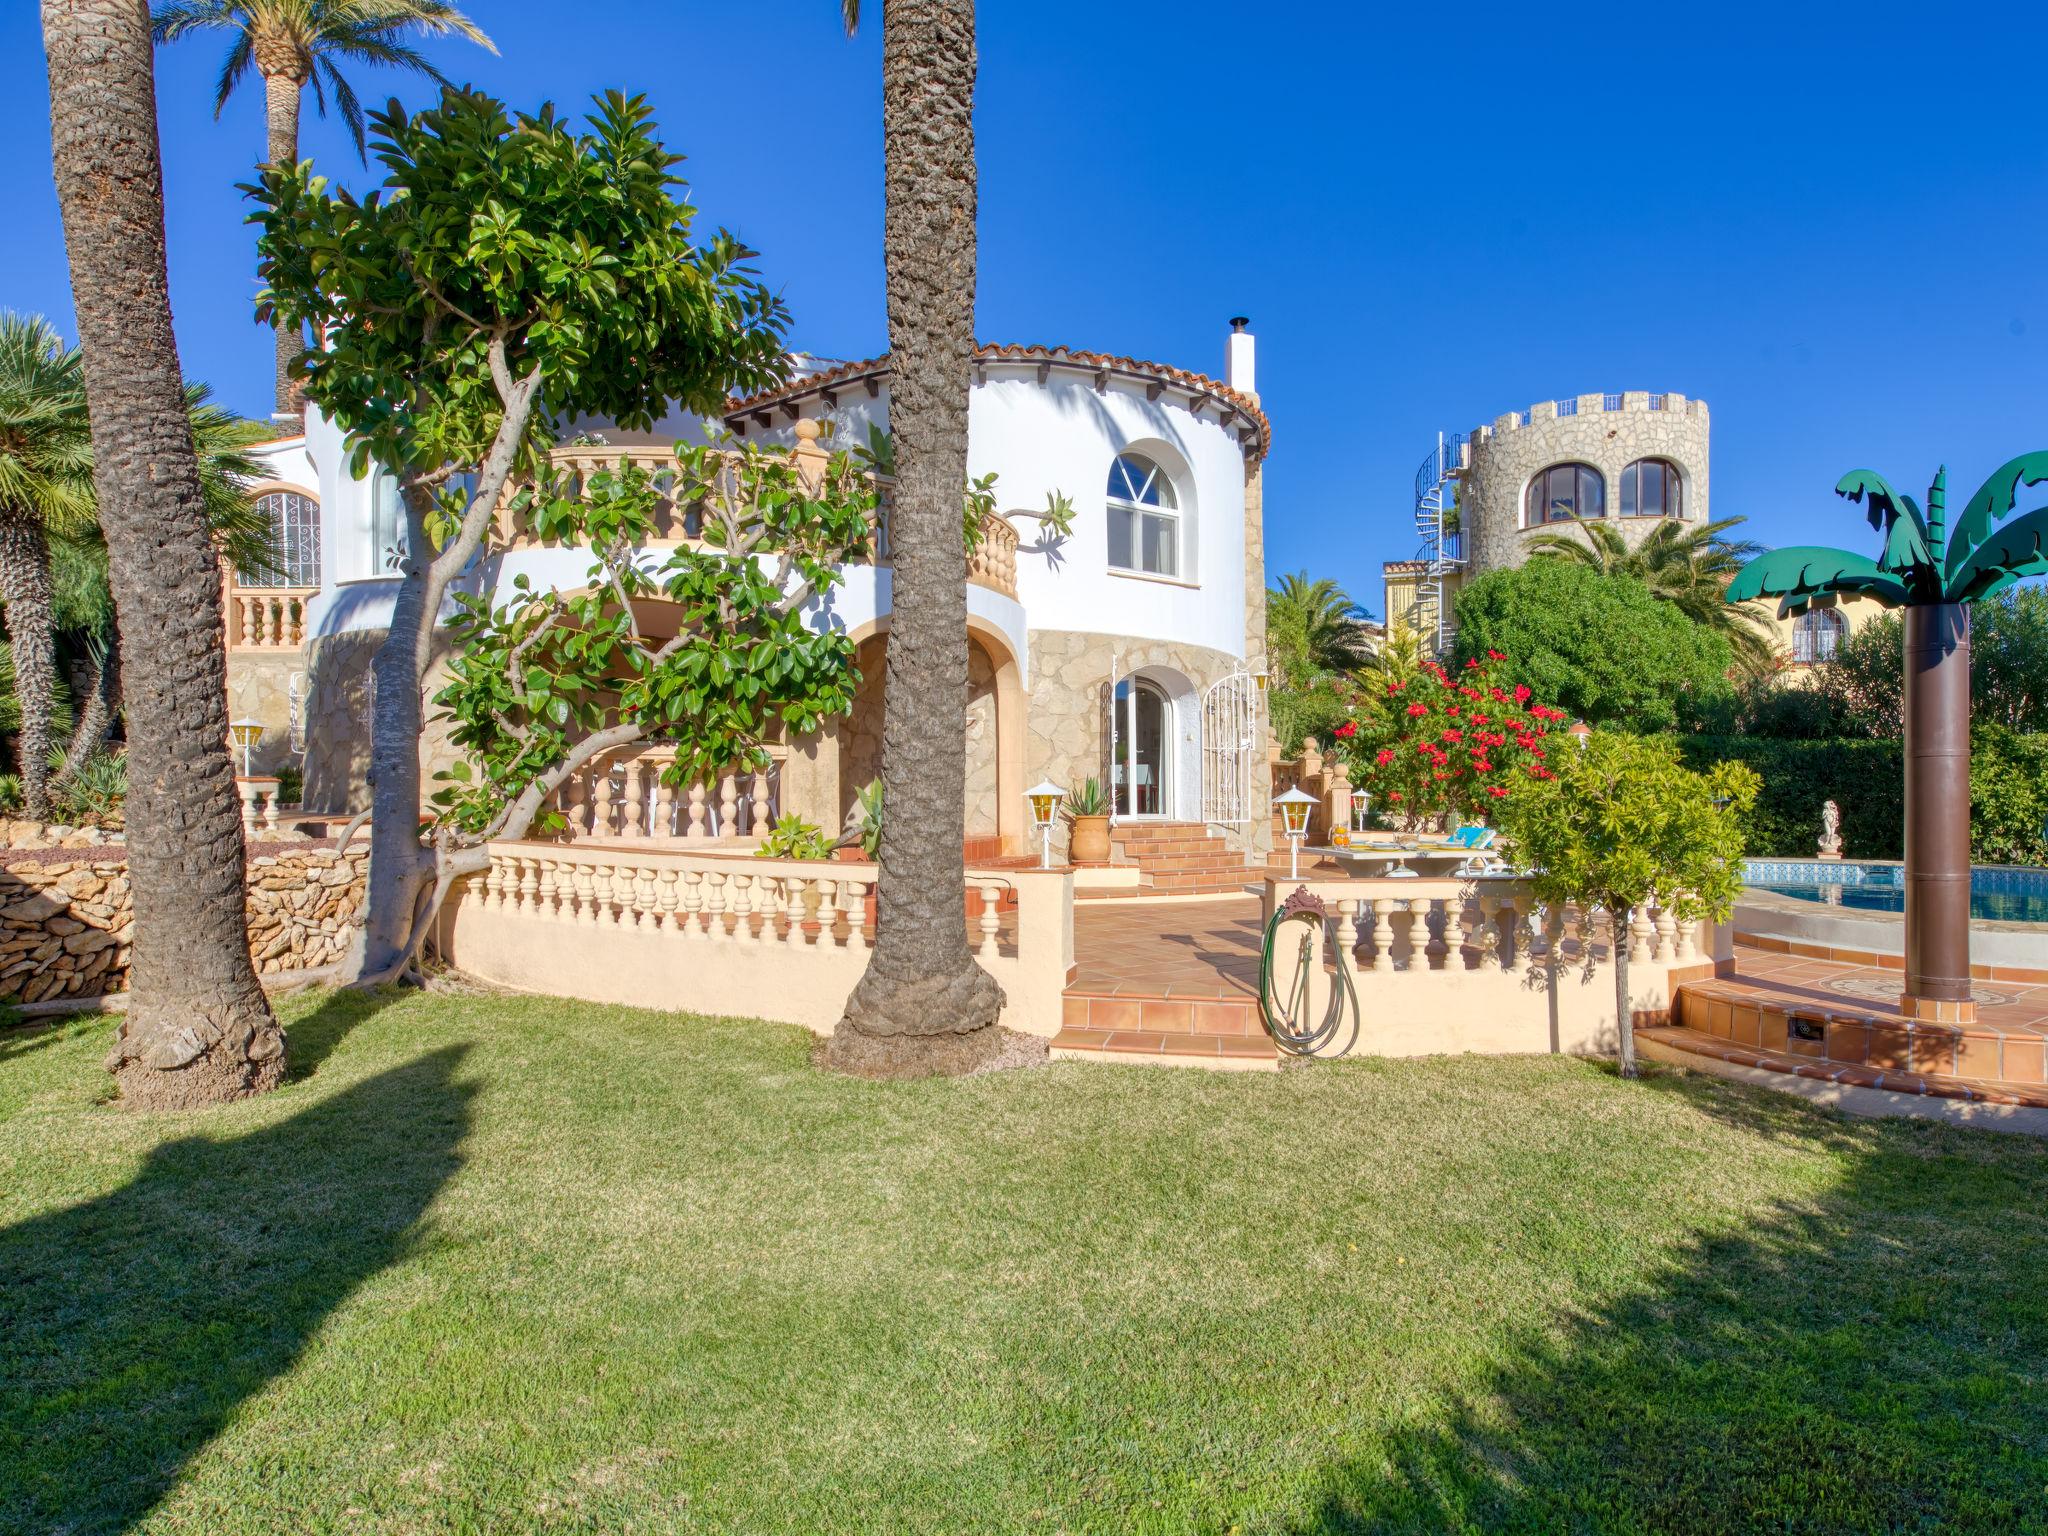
<point x="507" y="1265"/>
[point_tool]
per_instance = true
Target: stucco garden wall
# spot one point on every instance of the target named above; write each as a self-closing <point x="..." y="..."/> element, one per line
<point x="1507" y="455"/>
<point x="65" y="927"/>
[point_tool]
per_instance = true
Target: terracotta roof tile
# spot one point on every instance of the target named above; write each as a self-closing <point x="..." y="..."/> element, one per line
<point x="989" y="352"/>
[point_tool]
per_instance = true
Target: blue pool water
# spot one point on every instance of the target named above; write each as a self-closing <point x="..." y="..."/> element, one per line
<point x="1996" y="895"/>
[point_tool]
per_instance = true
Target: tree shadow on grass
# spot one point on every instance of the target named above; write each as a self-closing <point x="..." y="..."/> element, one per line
<point x="1866" y="1360"/>
<point x="134" y="1325"/>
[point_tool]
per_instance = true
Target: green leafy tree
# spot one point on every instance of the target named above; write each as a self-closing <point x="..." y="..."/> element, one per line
<point x="1934" y="572"/>
<point x="513" y="272"/>
<point x="1603" y="647"/>
<point x="1688" y="565"/>
<point x="1622" y="818"/>
<point x="1313" y="631"/>
<point x="296" y="43"/>
<point x="543" y="683"/>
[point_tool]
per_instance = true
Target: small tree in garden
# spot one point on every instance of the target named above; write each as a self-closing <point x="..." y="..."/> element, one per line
<point x="513" y="274"/>
<point x="1622" y="818"/>
<point x="549" y="681"/>
<point x="1449" y="742"/>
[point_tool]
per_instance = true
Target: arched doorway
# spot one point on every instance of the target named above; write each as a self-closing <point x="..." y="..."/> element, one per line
<point x="1142" y="772"/>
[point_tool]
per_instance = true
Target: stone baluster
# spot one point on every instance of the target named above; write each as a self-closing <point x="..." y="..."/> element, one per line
<point x="991" y="919"/>
<point x="546" y="890"/>
<point x="697" y="813"/>
<point x="741" y="887"/>
<point x="828" y="913"/>
<point x="1402" y="922"/>
<point x="728" y="805"/>
<point x="667" y="920"/>
<point x="664" y="804"/>
<point x="634" y="772"/>
<point x="611" y="900"/>
<point x="1382" y="909"/>
<point x="1439" y="926"/>
<point x="1666" y="942"/>
<point x="856" y="914"/>
<point x="583" y="903"/>
<point x="717" y="898"/>
<point x="529" y="886"/>
<point x="1468" y="918"/>
<point x="793" y="911"/>
<point x="1639" y="934"/>
<point x="758" y="820"/>
<point x="601" y="801"/>
<point x="1688" y="942"/>
<point x="1347" y="936"/>
<point x="1487" y="933"/>
<point x="1514" y="936"/>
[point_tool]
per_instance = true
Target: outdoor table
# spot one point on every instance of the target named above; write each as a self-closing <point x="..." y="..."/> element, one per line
<point x="1397" y="855"/>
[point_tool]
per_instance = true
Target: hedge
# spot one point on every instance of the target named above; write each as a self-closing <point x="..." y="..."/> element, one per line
<point x="1867" y="781"/>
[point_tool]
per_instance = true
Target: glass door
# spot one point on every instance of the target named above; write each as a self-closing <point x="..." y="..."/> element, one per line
<point x="1142" y="756"/>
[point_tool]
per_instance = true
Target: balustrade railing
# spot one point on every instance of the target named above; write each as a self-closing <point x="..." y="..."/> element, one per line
<point x="266" y="618"/>
<point x="626" y="797"/>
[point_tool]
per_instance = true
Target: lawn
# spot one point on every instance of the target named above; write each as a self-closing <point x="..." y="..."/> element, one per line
<point x="501" y="1265"/>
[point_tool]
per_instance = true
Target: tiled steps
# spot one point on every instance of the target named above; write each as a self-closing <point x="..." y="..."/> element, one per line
<point x="1179" y="1031"/>
<point x="1176" y="859"/>
<point x="1864" y="1047"/>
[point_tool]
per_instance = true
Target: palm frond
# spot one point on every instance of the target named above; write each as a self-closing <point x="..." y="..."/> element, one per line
<point x="241" y="53"/>
<point x="1994" y="499"/>
<point x="351" y="109"/>
<point x="170" y="20"/>
<point x="849" y="14"/>
<point x="1810" y="570"/>
<point x="2019" y="548"/>
<point x="1896" y="516"/>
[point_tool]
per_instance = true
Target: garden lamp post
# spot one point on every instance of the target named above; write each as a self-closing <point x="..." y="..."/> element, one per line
<point x="246" y="733"/>
<point x="1045" y="798"/>
<point x="1294" y="808"/>
<point x="1579" y="733"/>
<point x="1361" y="808"/>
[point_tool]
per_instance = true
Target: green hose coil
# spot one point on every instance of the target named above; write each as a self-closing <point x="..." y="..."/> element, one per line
<point x="1286" y="1022"/>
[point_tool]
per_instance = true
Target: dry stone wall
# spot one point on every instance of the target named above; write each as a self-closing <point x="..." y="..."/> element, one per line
<point x="66" y="927"/>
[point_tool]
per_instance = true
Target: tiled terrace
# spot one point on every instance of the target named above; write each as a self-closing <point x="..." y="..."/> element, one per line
<point x="1173" y="980"/>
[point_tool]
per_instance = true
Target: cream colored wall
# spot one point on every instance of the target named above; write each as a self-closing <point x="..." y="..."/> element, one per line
<point x="1857" y="612"/>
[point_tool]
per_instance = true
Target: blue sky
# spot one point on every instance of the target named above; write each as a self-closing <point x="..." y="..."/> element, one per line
<point x="1828" y="222"/>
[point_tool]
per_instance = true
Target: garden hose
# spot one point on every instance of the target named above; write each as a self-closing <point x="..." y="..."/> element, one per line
<point x="1288" y="1023"/>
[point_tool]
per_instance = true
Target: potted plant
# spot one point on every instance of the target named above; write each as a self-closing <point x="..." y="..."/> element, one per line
<point x="1088" y="813"/>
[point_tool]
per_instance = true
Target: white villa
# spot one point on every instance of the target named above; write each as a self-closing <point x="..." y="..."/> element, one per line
<point x="1126" y="652"/>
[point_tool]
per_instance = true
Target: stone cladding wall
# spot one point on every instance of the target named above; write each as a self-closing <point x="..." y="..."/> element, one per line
<point x="1506" y="456"/>
<point x="66" y="927"/>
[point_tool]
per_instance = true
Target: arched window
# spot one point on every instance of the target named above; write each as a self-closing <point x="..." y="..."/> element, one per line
<point x="1817" y="635"/>
<point x="295" y="534"/>
<point x="1144" y="518"/>
<point x="1652" y="488"/>
<point x="1562" y="491"/>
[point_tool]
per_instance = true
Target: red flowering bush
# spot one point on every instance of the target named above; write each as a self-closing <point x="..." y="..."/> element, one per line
<point x="1459" y="745"/>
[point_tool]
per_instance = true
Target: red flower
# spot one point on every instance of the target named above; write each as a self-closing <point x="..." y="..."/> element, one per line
<point x="1521" y="693"/>
<point x="1450" y="709"/>
<point x="1472" y="665"/>
<point x="1396" y="795"/>
<point x="1479" y="719"/>
<point x="1497" y="791"/>
<point x="1392" y="689"/>
<point x="1345" y="731"/>
<point x="1454" y="736"/>
<point x="1495" y="656"/>
<point x="1386" y="756"/>
<point x="1482" y="765"/>
<point x="1418" y="709"/>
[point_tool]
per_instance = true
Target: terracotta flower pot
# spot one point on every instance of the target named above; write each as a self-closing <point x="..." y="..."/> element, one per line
<point x="1090" y="841"/>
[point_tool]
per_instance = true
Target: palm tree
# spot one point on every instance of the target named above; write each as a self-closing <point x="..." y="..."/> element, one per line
<point x="198" y="1029"/>
<point x="1314" y="631"/>
<point x="294" y="43"/>
<point x="1688" y="566"/>
<point x="923" y="1005"/>
<point x="46" y="494"/>
<point x="45" y="488"/>
<point x="1934" y="573"/>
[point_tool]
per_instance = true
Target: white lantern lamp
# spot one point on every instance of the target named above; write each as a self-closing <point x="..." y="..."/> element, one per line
<point x="1361" y="808"/>
<point x="246" y="732"/>
<point x="1294" y="807"/>
<point x="1045" y="798"/>
<point x="1580" y="733"/>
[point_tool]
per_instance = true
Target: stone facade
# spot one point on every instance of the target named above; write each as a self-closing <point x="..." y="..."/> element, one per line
<point x="1507" y="455"/>
<point x="1067" y="727"/>
<point x="337" y="707"/>
<point x="66" y="928"/>
<point x="860" y="734"/>
<point x="268" y="686"/>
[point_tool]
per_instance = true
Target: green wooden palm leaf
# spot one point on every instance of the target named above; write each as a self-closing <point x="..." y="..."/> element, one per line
<point x="2020" y="548"/>
<point x="1897" y="516"/>
<point x="1994" y="499"/>
<point x="1812" y="570"/>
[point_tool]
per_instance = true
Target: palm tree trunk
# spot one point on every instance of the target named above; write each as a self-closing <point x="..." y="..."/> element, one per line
<point x="281" y="93"/>
<point x="32" y="631"/>
<point x="923" y="1005"/>
<point x="96" y="715"/>
<point x="198" y="1029"/>
<point x="1936" y="643"/>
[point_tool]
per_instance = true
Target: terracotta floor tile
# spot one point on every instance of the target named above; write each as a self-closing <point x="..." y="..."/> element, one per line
<point x="1133" y="1040"/>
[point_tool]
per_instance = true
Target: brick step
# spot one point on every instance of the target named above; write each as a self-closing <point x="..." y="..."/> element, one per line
<point x="1233" y="1053"/>
<point x="1184" y="861"/>
<point x="1157" y="831"/>
<point x="1849" y="1074"/>
<point x="1197" y="885"/>
<point x="1145" y="848"/>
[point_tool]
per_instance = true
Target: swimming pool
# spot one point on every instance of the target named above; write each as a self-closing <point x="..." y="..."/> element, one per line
<point x="1997" y="895"/>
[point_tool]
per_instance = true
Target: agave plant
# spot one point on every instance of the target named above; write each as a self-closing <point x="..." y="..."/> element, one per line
<point x="1933" y="571"/>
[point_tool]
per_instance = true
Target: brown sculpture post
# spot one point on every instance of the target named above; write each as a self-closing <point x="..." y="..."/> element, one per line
<point x="1937" y="688"/>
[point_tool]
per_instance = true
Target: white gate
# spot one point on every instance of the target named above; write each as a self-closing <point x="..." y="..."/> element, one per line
<point x="1230" y="735"/>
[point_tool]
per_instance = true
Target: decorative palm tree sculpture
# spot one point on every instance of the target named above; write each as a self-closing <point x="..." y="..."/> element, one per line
<point x="1934" y="572"/>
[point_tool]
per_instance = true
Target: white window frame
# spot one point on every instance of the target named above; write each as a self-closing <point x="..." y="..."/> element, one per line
<point x="1166" y="510"/>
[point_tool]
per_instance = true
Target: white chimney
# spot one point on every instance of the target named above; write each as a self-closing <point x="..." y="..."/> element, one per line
<point x="1237" y="364"/>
